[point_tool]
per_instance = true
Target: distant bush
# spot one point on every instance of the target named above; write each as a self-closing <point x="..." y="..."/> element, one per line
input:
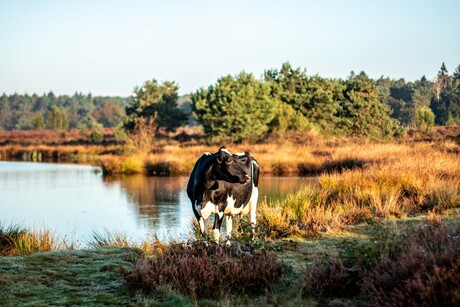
<point x="424" y="120"/>
<point x="97" y="135"/>
<point x="206" y="270"/>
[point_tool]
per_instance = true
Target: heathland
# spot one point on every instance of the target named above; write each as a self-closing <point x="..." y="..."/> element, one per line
<point x="381" y="227"/>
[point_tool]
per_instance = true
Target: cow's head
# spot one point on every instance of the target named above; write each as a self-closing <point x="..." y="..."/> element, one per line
<point x="230" y="167"/>
<point x="245" y="159"/>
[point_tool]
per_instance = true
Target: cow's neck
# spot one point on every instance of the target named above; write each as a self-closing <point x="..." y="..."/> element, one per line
<point x="209" y="179"/>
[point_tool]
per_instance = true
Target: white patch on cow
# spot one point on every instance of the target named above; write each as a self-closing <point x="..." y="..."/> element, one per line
<point x="226" y="151"/>
<point x="220" y="213"/>
<point x="208" y="209"/>
<point x="216" y="234"/>
<point x="229" y="225"/>
<point x="240" y="154"/>
<point x="253" y="205"/>
<point x="202" y="228"/>
<point x="207" y="153"/>
<point x="255" y="163"/>
<point x="230" y="208"/>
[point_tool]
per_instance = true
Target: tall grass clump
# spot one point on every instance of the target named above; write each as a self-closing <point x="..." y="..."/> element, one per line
<point x="16" y="240"/>
<point x="109" y="238"/>
<point x="204" y="270"/>
<point x="112" y="165"/>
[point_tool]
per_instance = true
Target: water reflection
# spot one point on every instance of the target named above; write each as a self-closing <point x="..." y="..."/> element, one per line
<point x="75" y="200"/>
<point x="160" y="203"/>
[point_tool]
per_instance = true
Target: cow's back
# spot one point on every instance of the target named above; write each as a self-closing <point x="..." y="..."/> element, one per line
<point x="195" y="183"/>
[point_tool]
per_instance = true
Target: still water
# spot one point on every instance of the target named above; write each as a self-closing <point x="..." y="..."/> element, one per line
<point x="73" y="201"/>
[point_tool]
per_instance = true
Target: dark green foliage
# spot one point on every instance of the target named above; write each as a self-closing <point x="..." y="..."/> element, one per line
<point x="361" y="113"/>
<point x="206" y="270"/>
<point x="242" y="107"/>
<point x="312" y="98"/>
<point x="445" y="102"/>
<point x="155" y="100"/>
<point x="238" y="108"/>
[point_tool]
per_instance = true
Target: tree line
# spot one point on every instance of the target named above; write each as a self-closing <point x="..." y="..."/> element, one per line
<point x="48" y="111"/>
<point x="244" y="107"/>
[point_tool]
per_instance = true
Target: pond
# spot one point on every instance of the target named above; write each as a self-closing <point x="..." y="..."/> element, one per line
<point x="73" y="201"/>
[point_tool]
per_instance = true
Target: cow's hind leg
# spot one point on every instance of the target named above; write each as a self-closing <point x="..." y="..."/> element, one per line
<point x="201" y="221"/>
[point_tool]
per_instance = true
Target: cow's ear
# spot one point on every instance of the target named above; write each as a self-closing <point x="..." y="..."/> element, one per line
<point x="224" y="153"/>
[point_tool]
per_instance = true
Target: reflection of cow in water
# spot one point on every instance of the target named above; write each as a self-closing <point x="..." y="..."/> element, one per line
<point x="224" y="184"/>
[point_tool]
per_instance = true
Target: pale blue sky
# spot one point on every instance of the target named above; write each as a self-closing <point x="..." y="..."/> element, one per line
<point x="109" y="47"/>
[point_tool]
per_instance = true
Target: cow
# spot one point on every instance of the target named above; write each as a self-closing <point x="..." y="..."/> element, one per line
<point x="224" y="184"/>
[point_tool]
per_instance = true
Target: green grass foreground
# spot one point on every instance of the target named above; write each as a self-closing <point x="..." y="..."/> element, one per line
<point x="66" y="277"/>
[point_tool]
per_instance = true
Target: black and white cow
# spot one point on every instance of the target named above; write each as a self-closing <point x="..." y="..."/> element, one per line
<point x="224" y="184"/>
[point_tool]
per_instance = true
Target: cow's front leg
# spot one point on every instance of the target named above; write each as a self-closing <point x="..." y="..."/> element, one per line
<point x="218" y="218"/>
<point x="229" y="225"/>
<point x="203" y="227"/>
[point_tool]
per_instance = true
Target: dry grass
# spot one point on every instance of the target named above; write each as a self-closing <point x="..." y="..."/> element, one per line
<point x="402" y="180"/>
<point x="274" y="159"/>
<point x="16" y="240"/>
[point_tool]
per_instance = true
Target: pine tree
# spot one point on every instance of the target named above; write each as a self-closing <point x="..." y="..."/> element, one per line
<point x="155" y="100"/>
<point x="239" y="108"/>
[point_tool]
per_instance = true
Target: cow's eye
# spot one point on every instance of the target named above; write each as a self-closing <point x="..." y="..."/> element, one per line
<point x="244" y="160"/>
<point x="228" y="161"/>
